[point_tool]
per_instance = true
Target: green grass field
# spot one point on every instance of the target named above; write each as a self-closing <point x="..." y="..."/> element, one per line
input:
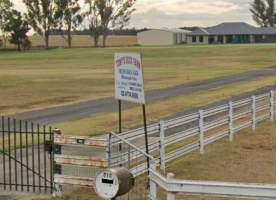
<point x="38" y="79"/>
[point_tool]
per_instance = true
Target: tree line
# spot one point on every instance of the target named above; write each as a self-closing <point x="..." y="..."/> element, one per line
<point x="94" y="17"/>
<point x="125" y="31"/>
<point x="98" y="17"/>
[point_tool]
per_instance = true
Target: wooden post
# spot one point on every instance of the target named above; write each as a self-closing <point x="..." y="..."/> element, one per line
<point x="57" y="169"/>
<point x="170" y="196"/>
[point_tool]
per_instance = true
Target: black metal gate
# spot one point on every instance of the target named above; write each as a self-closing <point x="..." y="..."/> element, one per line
<point x="26" y="156"/>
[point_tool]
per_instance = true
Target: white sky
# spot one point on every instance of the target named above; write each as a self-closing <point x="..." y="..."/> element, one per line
<point x="178" y="13"/>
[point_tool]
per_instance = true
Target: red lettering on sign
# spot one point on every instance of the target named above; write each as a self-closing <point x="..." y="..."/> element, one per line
<point x="128" y="60"/>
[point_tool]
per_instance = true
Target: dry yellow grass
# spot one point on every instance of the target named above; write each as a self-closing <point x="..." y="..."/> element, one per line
<point x="82" y="41"/>
<point x="249" y="159"/>
<point x="105" y="122"/>
<point x="38" y="79"/>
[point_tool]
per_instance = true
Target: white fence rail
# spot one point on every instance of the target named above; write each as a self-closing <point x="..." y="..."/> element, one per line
<point x="172" y="187"/>
<point x="168" y="140"/>
<point x="176" y="137"/>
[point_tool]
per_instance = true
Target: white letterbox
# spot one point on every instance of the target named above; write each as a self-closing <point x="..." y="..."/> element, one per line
<point x="114" y="182"/>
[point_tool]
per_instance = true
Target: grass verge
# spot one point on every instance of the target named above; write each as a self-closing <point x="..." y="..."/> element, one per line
<point x="249" y="159"/>
<point x="105" y="122"/>
<point x="39" y="79"/>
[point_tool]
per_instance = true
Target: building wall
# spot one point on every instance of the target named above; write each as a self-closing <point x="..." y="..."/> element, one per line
<point x="265" y="38"/>
<point x="197" y="39"/>
<point x="156" y="37"/>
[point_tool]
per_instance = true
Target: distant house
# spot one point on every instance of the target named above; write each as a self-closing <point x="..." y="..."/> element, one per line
<point x="162" y="37"/>
<point x="232" y="33"/>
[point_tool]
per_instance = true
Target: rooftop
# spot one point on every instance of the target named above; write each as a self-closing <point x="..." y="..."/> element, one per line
<point x="234" y="28"/>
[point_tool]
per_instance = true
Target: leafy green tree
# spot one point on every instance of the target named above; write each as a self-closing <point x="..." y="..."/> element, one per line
<point x="18" y="29"/>
<point x="68" y="17"/>
<point x="92" y="16"/>
<point x="5" y="9"/>
<point x="114" y="14"/>
<point x="41" y="17"/>
<point x="263" y="12"/>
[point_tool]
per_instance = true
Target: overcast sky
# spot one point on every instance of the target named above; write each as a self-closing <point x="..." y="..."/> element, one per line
<point x="179" y="13"/>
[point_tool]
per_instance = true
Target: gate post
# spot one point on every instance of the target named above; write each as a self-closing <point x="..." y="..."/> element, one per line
<point x="162" y="147"/>
<point x="231" y="132"/>
<point x="57" y="169"/>
<point x="272" y="105"/>
<point x="201" y="131"/>
<point x="254" y="113"/>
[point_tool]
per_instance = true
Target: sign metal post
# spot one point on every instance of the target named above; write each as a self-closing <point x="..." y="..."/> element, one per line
<point x="129" y="86"/>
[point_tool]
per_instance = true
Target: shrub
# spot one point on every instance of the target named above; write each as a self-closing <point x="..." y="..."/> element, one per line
<point x="26" y="44"/>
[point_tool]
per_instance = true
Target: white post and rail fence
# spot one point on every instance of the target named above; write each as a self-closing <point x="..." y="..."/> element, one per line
<point x="168" y="140"/>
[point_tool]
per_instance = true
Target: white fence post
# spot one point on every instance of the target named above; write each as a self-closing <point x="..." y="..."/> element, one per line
<point x="109" y="148"/>
<point x="201" y="131"/>
<point x="170" y="196"/>
<point x="272" y="105"/>
<point x="152" y="186"/>
<point x="254" y="113"/>
<point x="231" y="132"/>
<point x="162" y="147"/>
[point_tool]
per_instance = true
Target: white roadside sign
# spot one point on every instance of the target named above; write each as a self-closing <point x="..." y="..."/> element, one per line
<point x="129" y="82"/>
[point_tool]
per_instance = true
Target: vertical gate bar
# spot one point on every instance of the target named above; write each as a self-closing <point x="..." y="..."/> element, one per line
<point x="21" y="154"/>
<point x="27" y="154"/>
<point x="15" y="153"/>
<point x="45" y="160"/>
<point x="38" y="157"/>
<point x="4" y="150"/>
<point x="33" y="161"/>
<point x="51" y="159"/>
<point x="9" y="147"/>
